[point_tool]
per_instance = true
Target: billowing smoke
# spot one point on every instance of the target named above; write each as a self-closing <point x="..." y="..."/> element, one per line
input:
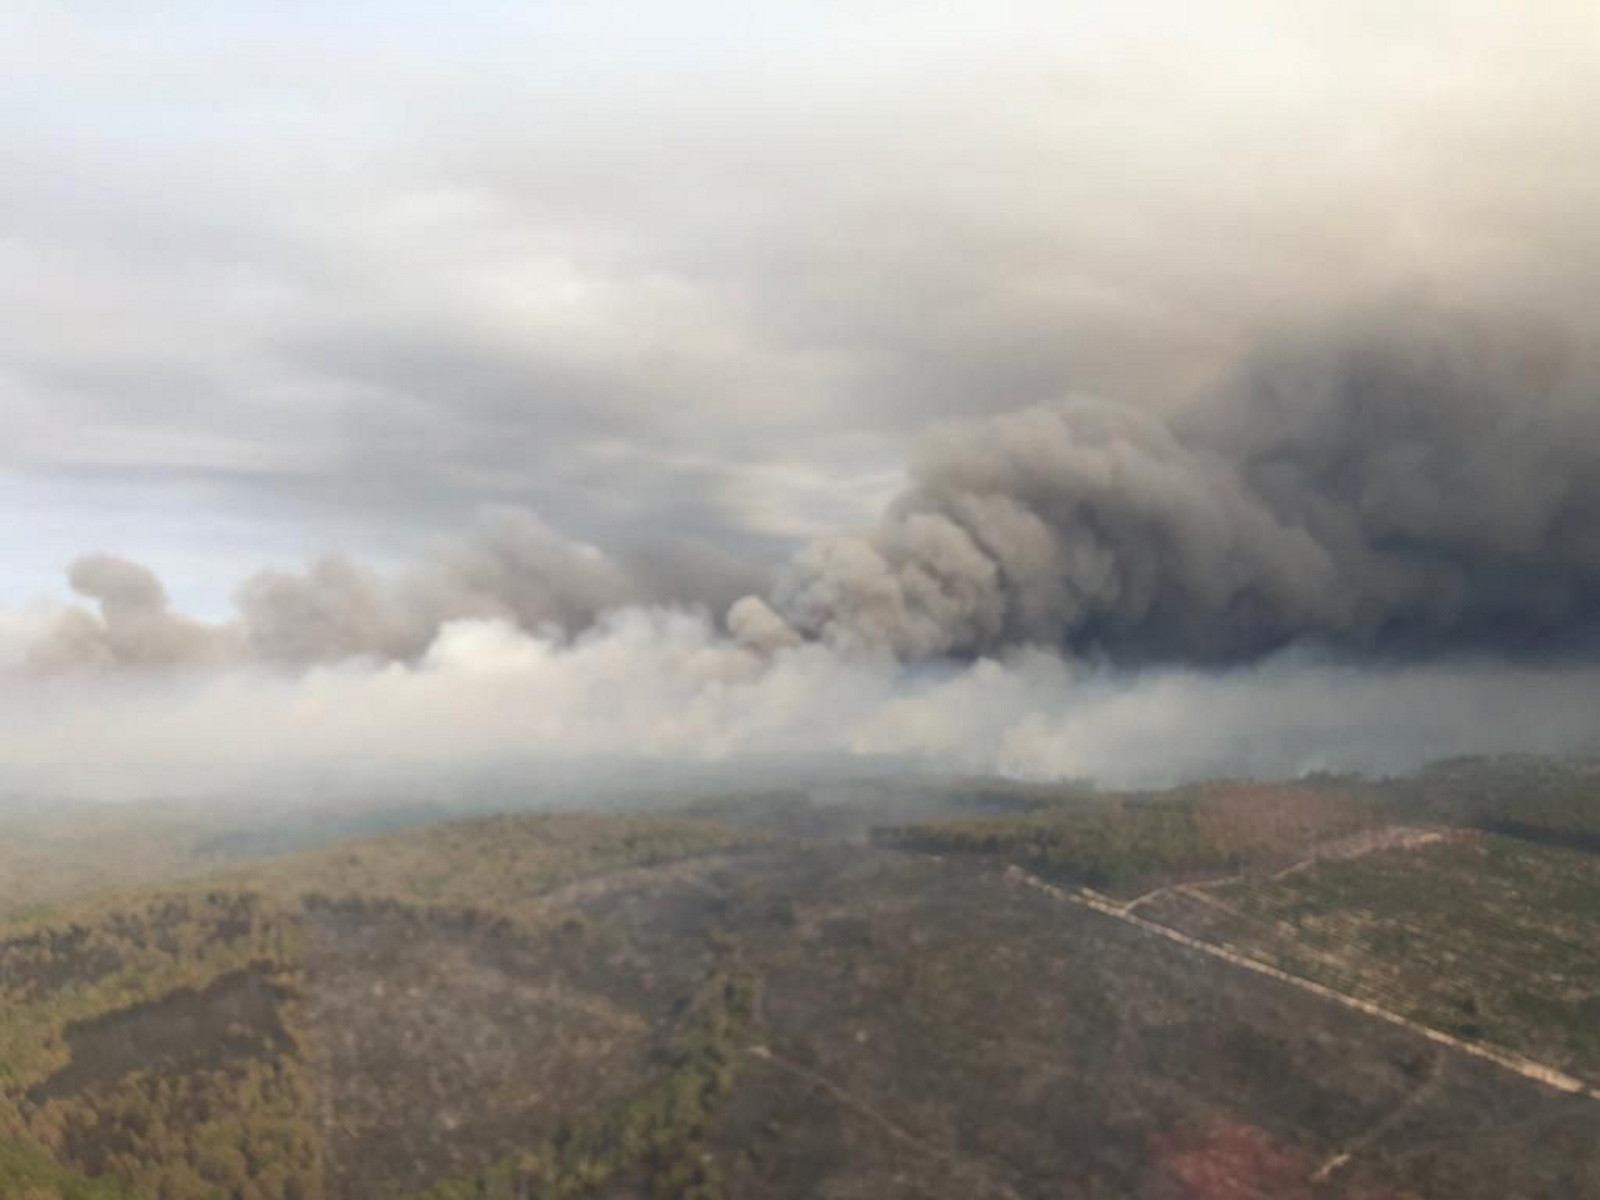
<point x="1362" y="554"/>
<point x="512" y="568"/>
<point x="1391" y="489"/>
<point x="134" y="626"/>
<point x="1400" y="487"/>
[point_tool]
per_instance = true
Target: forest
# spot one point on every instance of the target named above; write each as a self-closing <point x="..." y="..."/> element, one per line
<point x="1118" y="841"/>
<point x="154" y="1045"/>
<point x="721" y="989"/>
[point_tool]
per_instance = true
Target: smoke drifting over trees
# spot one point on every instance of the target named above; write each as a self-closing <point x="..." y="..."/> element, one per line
<point x="1390" y="489"/>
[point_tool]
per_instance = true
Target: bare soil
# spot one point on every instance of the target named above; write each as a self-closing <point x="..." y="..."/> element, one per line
<point x="445" y="1040"/>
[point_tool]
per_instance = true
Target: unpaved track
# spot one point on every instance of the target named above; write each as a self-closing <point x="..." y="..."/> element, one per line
<point x="1341" y="849"/>
<point x="1516" y="1063"/>
<point x="987" y="1184"/>
<point x="1337" y="1162"/>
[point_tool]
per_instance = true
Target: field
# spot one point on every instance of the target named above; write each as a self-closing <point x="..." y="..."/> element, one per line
<point x="795" y="995"/>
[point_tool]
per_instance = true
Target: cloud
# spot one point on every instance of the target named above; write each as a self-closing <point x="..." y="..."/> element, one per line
<point x="346" y="281"/>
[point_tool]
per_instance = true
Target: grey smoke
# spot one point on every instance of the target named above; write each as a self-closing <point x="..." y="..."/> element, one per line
<point x="1402" y="485"/>
<point x="1422" y="499"/>
<point x="511" y="568"/>
<point x="134" y="625"/>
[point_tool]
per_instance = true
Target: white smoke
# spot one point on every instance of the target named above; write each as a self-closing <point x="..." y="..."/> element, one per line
<point x="651" y="685"/>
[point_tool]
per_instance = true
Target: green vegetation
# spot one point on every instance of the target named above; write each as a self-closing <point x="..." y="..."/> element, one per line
<point x="492" y="864"/>
<point x="28" y="1173"/>
<point x="655" y="1134"/>
<point x="113" y="956"/>
<point x="107" y="1064"/>
<point x="150" y="1049"/>
<point x="242" y="1130"/>
<point x="1482" y="936"/>
<point x="1538" y="799"/>
<point x="1122" y="841"/>
<point x="275" y="1032"/>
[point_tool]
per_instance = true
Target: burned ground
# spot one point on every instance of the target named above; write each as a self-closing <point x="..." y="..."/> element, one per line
<point x="448" y="1039"/>
<point x="648" y="1009"/>
<point x="235" y="1018"/>
<point x="929" y="1028"/>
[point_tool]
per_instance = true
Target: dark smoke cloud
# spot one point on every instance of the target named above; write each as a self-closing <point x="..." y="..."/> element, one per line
<point x="1405" y="484"/>
<point x="1402" y="485"/>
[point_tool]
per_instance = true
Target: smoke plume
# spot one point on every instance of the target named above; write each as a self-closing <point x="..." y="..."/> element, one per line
<point x="1396" y="488"/>
<point x="134" y="626"/>
<point x="1364" y="553"/>
<point x="511" y="567"/>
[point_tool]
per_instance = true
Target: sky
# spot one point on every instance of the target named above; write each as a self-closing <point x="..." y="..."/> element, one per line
<point x="667" y="300"/>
